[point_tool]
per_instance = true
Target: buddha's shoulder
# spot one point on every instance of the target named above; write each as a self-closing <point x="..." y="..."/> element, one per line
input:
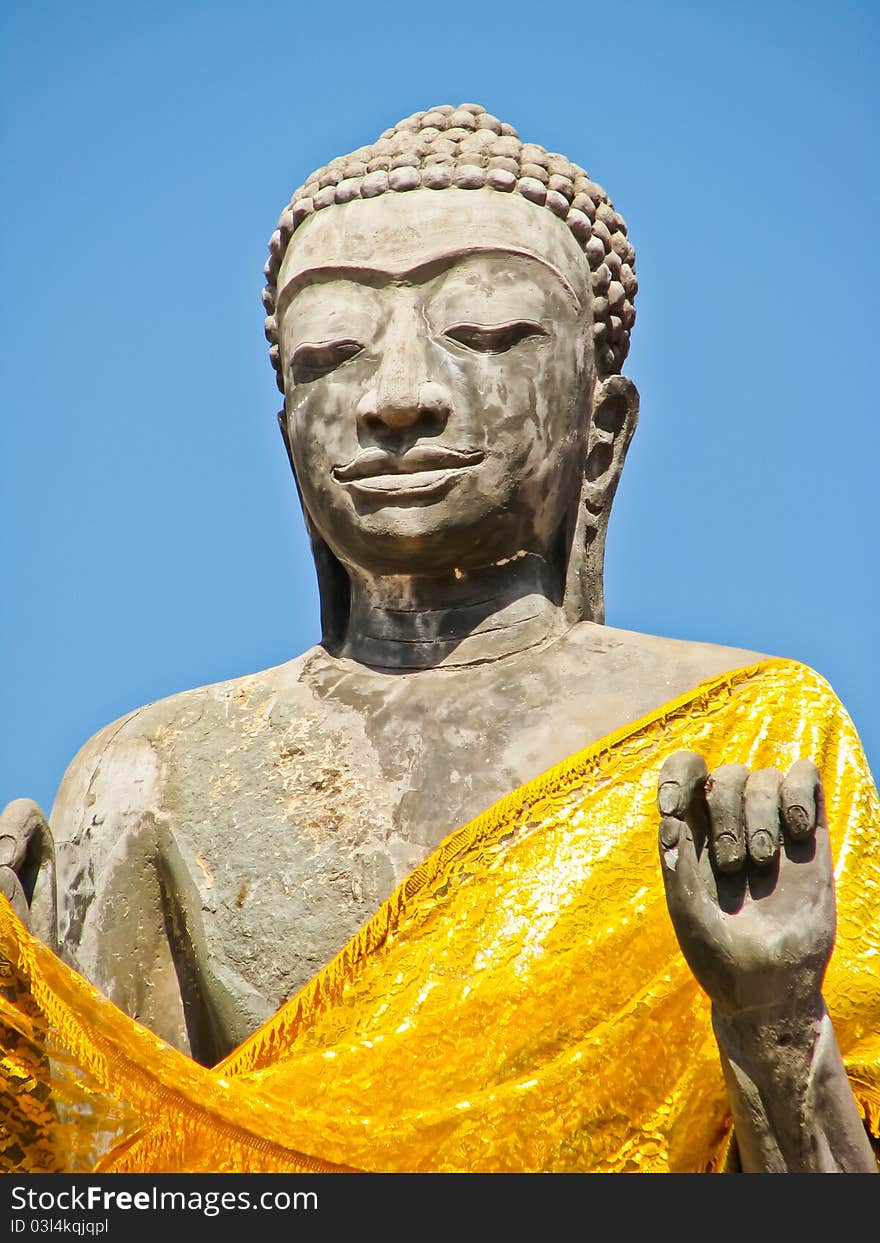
<point x="663" y="668"/>
<point x="647" y="651"/>
<point x="631" y="674"/>
<point x="121" y="765"/>
<point x="658" y="666"/>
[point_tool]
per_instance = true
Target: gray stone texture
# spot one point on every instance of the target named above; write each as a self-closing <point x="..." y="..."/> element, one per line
<point x="447" y="314"/>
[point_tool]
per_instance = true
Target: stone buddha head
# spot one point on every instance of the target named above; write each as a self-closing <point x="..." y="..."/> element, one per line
<point x="448" y="313"/>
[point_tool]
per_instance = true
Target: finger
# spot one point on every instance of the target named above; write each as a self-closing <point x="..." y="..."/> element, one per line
<point x="682" y="828"/>
<point x="797" y="797"/>
<point x="10" y="888"/>
<point x="762" y="815"/>
<point x="685" y="892"/>
<point x="682" y="780"/>
<point x="20" y="821"/>
<point x="681" y="837"/>
<point x="695" y="916"/>
<point x="670" y="831"/>
<point x="725" y="791"/>
<point x="823" y="839"/>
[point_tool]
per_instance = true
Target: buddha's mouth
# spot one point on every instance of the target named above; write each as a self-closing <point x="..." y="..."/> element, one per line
<point x="422" y="469"/>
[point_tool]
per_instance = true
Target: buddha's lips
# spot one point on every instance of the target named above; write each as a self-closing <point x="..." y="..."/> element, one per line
<point x="374" y="463"/>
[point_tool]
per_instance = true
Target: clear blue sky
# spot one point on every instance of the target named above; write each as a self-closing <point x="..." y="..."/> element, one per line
<point x="150" y="538"/>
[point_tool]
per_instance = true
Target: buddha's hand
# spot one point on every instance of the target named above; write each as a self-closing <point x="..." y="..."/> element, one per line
<point x="27" y="866"/>
<point x="749" y="883"/>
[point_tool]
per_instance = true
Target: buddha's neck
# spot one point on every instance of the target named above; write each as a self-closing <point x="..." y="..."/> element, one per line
<point x="466" y="617"/>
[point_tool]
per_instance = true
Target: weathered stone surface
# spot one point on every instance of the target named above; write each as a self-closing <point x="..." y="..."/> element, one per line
<point x="217" y="848"/>
<point x="457" y="427"/>
<point x="463" y="142"/>
<point x="239" y="835"/>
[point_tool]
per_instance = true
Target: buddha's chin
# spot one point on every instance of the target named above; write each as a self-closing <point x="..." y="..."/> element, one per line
<point x="420" y="541"/>
<point x="430" y="521"/>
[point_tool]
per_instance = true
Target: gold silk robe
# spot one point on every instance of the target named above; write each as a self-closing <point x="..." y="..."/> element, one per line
<point x="518" y="1004"/>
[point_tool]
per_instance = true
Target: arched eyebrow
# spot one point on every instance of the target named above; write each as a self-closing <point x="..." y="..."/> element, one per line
<point x="377" y="277"/>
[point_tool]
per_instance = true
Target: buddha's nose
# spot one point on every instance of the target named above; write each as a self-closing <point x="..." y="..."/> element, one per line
<point x="403" y="398"/>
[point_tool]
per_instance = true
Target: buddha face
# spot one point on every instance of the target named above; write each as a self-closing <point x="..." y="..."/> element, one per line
<point x="438" y="372"/>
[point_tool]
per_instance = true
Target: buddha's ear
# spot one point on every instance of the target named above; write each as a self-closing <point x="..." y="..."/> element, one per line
<point x="333" y="584"/>
<point x="613" y="420"/>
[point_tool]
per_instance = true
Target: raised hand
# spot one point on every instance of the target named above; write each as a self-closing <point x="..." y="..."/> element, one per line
<point x="749" y="880"/>
<point x="749" y="884"/>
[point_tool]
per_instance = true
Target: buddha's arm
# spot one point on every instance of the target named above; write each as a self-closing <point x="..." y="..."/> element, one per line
<point x="749" y="884"/>
<point x="793" y="1108"/>
<point x="128" y="915"/>
<point x="113" y="922"/>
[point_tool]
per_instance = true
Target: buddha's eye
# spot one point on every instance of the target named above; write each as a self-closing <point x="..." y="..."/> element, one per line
<point x="494" y="338"/>
<point x="311" y="362"/>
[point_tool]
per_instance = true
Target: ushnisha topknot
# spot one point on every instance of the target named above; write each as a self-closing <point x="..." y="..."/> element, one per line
<point x="467" y="148"/>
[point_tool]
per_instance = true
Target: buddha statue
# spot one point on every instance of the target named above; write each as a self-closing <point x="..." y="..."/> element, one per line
<point x="448" y="313"/>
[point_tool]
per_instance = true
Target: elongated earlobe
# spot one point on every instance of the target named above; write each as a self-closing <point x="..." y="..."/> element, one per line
<point x="613" y="421"/>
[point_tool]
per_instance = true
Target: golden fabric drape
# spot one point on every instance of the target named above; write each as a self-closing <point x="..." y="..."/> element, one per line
<point x="518" y="1004"/>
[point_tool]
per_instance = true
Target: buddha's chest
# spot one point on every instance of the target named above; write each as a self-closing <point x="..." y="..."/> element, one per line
<point x="290" y="820"/>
